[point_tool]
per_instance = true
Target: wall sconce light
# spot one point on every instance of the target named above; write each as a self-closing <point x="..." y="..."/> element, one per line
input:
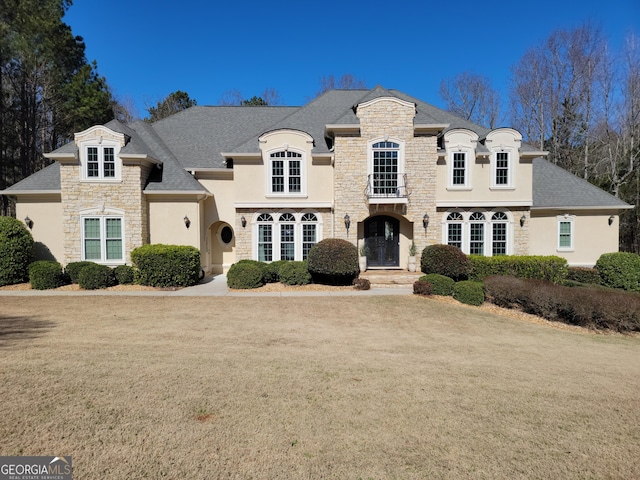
<point x="29" y="223"/>
<point x="425" y="221"/>
<point x="523" y="219"/>
<point x="187" y="222"/>
<point x="347" y="222"/>
<point x="611" y="219"/>
<point x="243" y="221"/>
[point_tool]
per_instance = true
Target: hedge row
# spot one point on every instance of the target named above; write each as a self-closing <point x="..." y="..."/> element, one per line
<point x="47" y="274"/>
<point x="465" y="291"/>
<point x="160" y="265"/>
<point x="551" y="268"/>
<point x="586" y="307"/>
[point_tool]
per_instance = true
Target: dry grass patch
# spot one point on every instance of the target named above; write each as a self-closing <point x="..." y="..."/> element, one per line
<point x="313" y="387"/>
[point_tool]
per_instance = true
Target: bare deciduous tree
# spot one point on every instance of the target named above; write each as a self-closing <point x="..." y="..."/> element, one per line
<point x="471" y="96"/>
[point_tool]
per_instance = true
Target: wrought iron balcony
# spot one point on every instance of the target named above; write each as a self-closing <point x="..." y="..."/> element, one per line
<point x="387" y="188"/>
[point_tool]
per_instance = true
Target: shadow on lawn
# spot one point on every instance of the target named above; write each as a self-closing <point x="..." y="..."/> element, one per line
<point x="15" y="329"/>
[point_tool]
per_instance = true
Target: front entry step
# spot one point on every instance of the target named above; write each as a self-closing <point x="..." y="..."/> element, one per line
<point x="391" y="278"/>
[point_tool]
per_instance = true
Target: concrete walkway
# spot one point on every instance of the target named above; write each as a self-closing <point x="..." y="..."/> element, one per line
<point x="212" y="286"/>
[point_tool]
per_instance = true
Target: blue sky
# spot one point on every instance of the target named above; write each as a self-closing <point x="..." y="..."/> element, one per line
<point x="149" y="48"/>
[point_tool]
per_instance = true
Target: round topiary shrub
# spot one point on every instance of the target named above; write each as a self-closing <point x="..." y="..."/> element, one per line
<point x="245" y="275"/>
<point x="333" y="261"/>
<point x="125" y="274"/>
<point x="469" y="292"/>
<point x="73" y="270"/>
<point x="295" y="273"/>
<point x="441" y="285"/>
<point x="619" y="270"/>
<point x="445" y="260"/>
<point x="45" y="275"/>
<point x="95" y="276"/>
<point x="16" y="243"/>
<point x="272" y="270"/>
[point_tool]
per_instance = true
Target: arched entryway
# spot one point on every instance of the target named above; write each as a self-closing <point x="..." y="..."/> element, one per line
<point x="382" y="241"/>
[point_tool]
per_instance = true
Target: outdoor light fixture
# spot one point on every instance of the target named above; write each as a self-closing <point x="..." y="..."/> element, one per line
<point x="523" y="219"/>
<point x="243" y="221"/>
<point x="29" y="223"/>
<point x="611" y="219"/>
<point x="187" y="222"/>
<point x="347" y="222"/>
<point x="425" y="220"/>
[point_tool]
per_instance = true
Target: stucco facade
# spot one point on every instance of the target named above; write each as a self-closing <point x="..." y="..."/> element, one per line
<point x="378" y="168"/>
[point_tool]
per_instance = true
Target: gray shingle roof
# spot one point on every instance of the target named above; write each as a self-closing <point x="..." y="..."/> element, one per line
<point x="45" y="180"/>
<point x="554" y="187"/>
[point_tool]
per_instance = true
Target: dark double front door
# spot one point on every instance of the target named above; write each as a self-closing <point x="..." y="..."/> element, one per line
<point x="381" y="237"/>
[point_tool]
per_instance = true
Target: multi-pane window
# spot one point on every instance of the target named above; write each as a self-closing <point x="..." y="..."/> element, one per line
<point x="565" y="234"/>
<point x="476" y="234"/>
<point x="287" y="237"/>
<point x="454" y="230"/>
<point x="102" y="239"/>
<point x="309" y="234"/>
<point x="265" y="237"/>
<point x="286" y="172"/>
<point x="385" y="168"/>
<point x="502" y="168"/>
<point x="459" y="168"/>
<point x="499" y="233"/>
<point x="101" y="162"/>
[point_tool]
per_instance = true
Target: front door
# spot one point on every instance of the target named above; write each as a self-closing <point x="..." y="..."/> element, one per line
<point x="381" y="237"/>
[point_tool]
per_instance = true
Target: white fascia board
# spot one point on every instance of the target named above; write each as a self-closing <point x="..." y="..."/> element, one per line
<point x="13" y="193"/>
<point x="486" y="203"/>
<point x="342" y="128"/>
<point x="205" y="193"/>
<point x="430" y="127"/>
<point x="60" y="156"/>
<point x="536" y="153"/>
<point x="283" y="205"/>
<point x="239" y="156"/>
<point x="140" y="157"/>
<point x="569" y="208"/>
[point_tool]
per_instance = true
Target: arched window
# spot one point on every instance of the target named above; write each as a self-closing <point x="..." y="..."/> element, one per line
<point x="454" y="229"/>
<point x="265" y="237"/>
<point x="309" y="233"/>
<point x="476" y="233"/>
<point x="287" y="237"/>
<point x="286" y="172"/>
<point x="385" y="168"/>
<point x="499" y="222"/>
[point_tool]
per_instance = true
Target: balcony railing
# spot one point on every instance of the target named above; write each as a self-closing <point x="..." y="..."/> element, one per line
<point x="387" y="188"/>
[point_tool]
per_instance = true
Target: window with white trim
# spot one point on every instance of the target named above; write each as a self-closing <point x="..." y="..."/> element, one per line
<point x="385" y="168"/>
<point x="459" y="169"/>
<point x="476" y="234"/>
<point x="100" y="163"/>
<point x="309" y="233"/>
<point x="499" y="222"/>
<point x="454" y="229"/>
<point x="286" y="172"/>
<point x="565" y="233"/>
<point x="287" y="237"/>
<point x="502" y="172"/>
<point x="265" y="237"/>
<point x="102" y="239"/>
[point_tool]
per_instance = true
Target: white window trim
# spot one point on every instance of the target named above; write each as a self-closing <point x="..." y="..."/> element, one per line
<point x="103" y="215"/>
<point x="84" y="160"/>
<point x="401" y="158"/>
<point x="570" y="219"/>
<point x="488" y="229"/>
<point x="303" y="173"/>
<point x="510" y="185"/>
<point x="276" y="231"/>
<point x="469" y="159"/>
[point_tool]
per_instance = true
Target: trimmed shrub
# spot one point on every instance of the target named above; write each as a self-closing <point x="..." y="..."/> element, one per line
<point x="548" y="267"/>
<point x="73" y="270"/>
<point x="95" y="276"/>
<point x="161" y="265"/>
<point x="583" y="275"/>
<point x="272" y="270"/>
<point x="16" y="243"/>
<point x="125" y="274"/>
<point x="333" y="261"/>
<point x="243" y="275"/>
<point x="469" y="292"/>
<point x="422" y="287"/>
<point x="441" y="285"/>
<point x="361" y="284"/>
<point x="46" y="274"/>
<point x="445" y="260"/>
<point x="593" y="307"/>
<point x="619" y="270"/>
<point x="295" y="273"/>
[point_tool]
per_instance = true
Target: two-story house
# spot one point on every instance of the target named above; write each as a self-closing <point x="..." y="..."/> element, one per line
<point x="376" y="167"/>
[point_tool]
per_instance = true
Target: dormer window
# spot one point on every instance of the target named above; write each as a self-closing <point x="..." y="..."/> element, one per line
<point x="286" y="172"/>
<point x="101" y="162"/>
